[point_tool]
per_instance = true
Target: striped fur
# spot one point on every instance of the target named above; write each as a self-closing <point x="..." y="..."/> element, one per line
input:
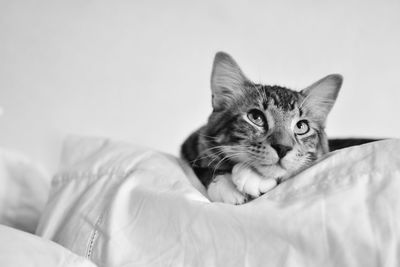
<point x="276" y="149"/>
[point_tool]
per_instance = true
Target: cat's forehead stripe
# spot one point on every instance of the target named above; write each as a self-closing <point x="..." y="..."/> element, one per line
<point x="280" y="97"/>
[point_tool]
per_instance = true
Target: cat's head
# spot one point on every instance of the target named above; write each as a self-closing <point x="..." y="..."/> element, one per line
<point x="274" y="130"/>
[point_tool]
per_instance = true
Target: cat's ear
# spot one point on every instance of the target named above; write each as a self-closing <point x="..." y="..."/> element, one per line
<point x="321" y="95"/>
<point x="227" y="81"/>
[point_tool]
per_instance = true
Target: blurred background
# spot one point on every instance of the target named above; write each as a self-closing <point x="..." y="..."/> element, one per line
<point x="139" y="70"/>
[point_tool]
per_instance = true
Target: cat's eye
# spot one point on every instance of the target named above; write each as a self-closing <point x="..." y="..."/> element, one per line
<point x="301" y="127"/>
<point x="257" y="117"/>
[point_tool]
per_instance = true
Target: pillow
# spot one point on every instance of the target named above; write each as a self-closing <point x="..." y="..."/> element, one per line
<point x="24" y="188"/>
<point x="18" y="248"/>
<point x="123" y="205"/>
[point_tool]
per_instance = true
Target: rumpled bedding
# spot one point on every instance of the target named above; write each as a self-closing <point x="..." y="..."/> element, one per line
<point x="21" y="249"/>
<point x="123" y="205"/>
<point x="24" y="189"/>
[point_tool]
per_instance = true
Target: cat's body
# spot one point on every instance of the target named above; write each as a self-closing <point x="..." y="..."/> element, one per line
<point x="264" y="132"/>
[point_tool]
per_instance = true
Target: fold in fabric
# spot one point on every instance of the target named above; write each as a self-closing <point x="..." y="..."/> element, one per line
<point x="121" y="205"/>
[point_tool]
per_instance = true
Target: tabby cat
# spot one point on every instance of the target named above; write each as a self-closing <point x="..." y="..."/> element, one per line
<point x="257" y="135"/>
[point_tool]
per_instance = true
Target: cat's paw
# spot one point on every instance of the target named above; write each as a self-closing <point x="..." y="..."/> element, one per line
<point x="222" y="189"/>
<point x="249" y="182"/>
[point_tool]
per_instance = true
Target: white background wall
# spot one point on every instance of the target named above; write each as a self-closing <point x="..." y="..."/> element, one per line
<point x="139" y="70"/>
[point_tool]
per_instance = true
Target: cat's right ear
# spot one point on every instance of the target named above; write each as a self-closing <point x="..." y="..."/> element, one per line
<point x="227" y="81"/>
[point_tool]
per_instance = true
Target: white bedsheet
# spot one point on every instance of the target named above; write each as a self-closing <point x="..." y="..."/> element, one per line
<point x="21" y="249"/>
<point x="120" y="205"/>
<point x="24" y="188"/>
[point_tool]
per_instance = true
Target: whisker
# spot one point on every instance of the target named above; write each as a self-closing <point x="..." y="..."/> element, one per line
<point x="211" y="154"/>
<point x="230" y="156"/>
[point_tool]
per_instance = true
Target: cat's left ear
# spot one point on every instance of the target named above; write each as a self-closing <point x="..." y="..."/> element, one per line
<point x="321" y="95"/>
<point x="227" y="81"/>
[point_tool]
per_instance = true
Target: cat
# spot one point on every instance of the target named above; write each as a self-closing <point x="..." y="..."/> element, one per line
<point x="257" y="135"/>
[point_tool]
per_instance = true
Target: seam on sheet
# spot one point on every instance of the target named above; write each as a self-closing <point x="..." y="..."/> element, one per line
<point x="70" y="176"/>
<point x="66" y="176"/>
<point x="93" y="237"/>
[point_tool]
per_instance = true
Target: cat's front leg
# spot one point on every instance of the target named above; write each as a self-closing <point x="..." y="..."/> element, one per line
<point x="249" y="182"/>
<point x="222" y="189"/>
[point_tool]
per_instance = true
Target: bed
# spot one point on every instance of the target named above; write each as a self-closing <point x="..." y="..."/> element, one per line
<point x="117" y="204"/>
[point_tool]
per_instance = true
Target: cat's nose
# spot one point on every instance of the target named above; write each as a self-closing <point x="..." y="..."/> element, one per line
<point x="281" y="150"/>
